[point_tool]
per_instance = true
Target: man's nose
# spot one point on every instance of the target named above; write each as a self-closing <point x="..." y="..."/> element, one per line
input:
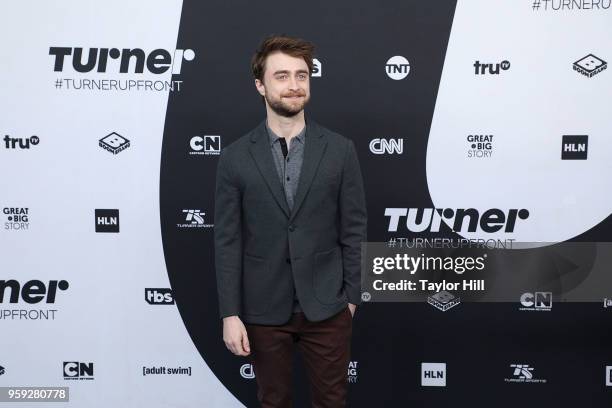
<point x="293" y="84"/>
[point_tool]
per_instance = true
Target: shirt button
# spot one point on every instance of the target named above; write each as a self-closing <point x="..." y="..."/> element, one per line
<point x="288" y="179"/>
<point x="291" y="228"/>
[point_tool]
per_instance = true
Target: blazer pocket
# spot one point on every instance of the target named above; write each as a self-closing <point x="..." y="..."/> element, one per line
<point x="256" y="294"/>
<point x="328" y="276"/>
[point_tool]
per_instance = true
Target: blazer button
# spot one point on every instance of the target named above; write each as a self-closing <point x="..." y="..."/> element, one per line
<point x="291" y="228"/>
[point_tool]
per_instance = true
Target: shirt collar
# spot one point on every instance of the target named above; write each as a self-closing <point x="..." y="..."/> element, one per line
<point x="273" y="137"/>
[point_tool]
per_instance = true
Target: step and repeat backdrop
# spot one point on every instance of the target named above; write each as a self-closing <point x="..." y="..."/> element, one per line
<point x="113" y="117"/>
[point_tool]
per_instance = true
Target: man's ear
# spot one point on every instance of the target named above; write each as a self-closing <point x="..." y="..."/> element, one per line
<point x="260" y="87"/>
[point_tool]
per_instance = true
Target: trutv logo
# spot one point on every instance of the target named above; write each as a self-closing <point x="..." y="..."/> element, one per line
<point x="125" y="60"/>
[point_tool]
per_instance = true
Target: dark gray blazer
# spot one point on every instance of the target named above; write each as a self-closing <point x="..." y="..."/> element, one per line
<point x="262" y="249"/>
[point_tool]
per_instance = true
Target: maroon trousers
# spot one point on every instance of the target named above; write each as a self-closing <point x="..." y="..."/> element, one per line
<point x="325" y="348"/>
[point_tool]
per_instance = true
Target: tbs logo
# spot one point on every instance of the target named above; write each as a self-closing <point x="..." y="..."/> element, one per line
<point x="73" y="370"/>
<point x="159" y="296"/>
<point x="316" y="68"/>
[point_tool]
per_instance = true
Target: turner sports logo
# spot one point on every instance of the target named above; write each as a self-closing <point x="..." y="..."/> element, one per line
<point x="460" y="220"/>
<point x="132" y="61"/>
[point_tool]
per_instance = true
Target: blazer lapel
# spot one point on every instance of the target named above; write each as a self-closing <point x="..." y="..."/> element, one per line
<point x="313" y="152"/>
<point x="262" y="154"/>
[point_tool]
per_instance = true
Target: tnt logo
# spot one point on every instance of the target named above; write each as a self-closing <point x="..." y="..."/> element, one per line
<point x="107" y="220"/>
<point x="73" y="370"/>
<point x="205" y="145"/>
<point x="159" y="296"/>
<point x="397" y="67"/>
<point x="246" y="371"/>
<point x="316" y="68"/>
<point x="433" y="374"/>
<point x="491" y="69"/>
<point x="17" y="142"/>
<point x="114" y="143"/>
<point x="590" y="65"/>
<point x="574" y="147"/>
<point x="389" y="146"/>
<point x="541" y="301"/>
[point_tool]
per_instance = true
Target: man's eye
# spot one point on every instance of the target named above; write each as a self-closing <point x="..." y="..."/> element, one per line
<point x="302" y="76"/>
<point x="282" y="77"/>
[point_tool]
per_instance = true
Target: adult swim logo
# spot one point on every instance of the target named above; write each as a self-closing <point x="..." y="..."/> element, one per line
<point x="574" y="147"/>
<point x="461" y="220"/>
<point x="608" y="376"/>
<point x="20" y="143"/>
<point x="194" y="219"/>
<point x="205" y="145"/>
<point x="538" y="301"/>
<point x="32" y="292"/>
<point x="523" y="373"/>
<point x="491" y="69"/>
<point x="17" y="218"/>
<point x="387" y="146"/>
<point x="74" y="370"/>
<point x="132" y="62"/>
<point x="480" y="146"/>
<point x="433" y="374"/>
<point x="589" y="65"/>
<point x="107" y="220"/>
<point x="162" y="370"/>
<point x="114" y="143"/>
<point x="397" y="67"/>
<point x="607" y="303"/>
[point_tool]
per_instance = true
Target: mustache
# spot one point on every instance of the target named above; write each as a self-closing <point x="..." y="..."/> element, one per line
<point x="290" y="94"/>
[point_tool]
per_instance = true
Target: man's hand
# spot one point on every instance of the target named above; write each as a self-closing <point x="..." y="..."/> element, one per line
<point x="235" y="336"/>
<point x="352" y="308"/>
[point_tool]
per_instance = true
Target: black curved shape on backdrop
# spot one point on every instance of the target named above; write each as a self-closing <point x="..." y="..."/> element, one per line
<point x="354" y="97"/>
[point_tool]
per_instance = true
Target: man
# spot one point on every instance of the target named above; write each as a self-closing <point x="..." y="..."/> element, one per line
<point x="290" y="216"/>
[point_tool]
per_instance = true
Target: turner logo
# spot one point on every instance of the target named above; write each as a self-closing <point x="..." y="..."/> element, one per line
<point x="114" y="143"/>
<point x="205" y="145"/>
<point x="73" y="370"/>
<point x="397" y="67"/>
<point x="316" y="68"/>
<point x="490" y="69"/>
<point x="159" y="296"/>
<point x="388" y="146"/>
<point x="433" y="374"/>
<point x="20" y="143"/>
<point x="31" y="292"/>
<point x="590" y="65"/>
<point x="122" y="61"/>
<point x="246" y="371"/>
<point x="538" y="301"/>
<point x="461" y="220"/>
<point x="107" y="220"/>
<point x="574" y="147"/>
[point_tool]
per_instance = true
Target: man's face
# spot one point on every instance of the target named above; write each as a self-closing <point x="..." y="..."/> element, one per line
<point x="286" y="84"/>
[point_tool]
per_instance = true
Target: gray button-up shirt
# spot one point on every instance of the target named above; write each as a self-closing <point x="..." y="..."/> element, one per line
<point x="289" y="171"/>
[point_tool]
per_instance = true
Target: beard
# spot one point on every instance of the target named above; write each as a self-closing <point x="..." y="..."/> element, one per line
<point x="285" y="108"/>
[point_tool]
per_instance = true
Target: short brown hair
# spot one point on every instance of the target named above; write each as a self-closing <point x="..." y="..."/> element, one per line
<point x="296" y="47"/>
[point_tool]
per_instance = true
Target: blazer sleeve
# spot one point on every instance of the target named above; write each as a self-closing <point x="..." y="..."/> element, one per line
<point x="353" y="223"/>
<point x="228" y="238"/>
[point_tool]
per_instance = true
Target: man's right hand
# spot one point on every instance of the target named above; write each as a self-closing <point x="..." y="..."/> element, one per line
<point x="235" y="336"/>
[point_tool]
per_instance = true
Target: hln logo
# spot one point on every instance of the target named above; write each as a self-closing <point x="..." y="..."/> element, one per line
<point x="574" y="147"/>
<point x="205" y="145"/>
<point x="74" y="370"/>
<point x="107" y="220"/>
<point x="433" y="374"/>
<point x="389" y="146"/>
